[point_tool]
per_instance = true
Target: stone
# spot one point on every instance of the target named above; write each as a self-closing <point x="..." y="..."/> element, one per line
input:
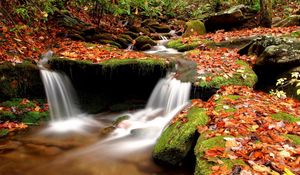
<point x="143" y="42"/>
<point x="194" y="27"/>
<point x="229" y="19"/>
<point x="178" y="138"/>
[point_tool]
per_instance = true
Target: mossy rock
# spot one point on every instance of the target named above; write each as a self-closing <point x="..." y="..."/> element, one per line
<point x="142" y="41"/>
<point x="103" y="36"/>
<point x="181" y="47"/>
<point x="177" y="139"/>
<point x="281" y="116"/>
<point x="161" y="28"/>
<point x="20" y="80"/>
<point x="111" y="43"/>
<point x="294" y="138"/>
<point x="194" y="26"/>
<point x="127" y="37"/>
<point x="246" y="77"/>
<point x="133" y="35"/>
<point x="203" y="165"/>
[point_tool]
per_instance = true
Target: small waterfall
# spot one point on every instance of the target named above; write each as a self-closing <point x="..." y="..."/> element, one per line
<point x="161" y="48"/>
<point x="164" y="38"/>
<point x="145" y="126"/>
<point x="60" y="95"/>
<point x="130" y="47"/>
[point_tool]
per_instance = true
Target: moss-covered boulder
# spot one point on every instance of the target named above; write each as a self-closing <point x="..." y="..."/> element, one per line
<point x="142" y="41"/>
<point x="20" y="80"/>
<point x="204" y="166"/>
<point x="178" y="138"/>
<point x="194" y="27"/>
<point x="181" y="46"/>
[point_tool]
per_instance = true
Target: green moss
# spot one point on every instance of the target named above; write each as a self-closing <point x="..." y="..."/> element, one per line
<point x="120" y="119"/>
<point x="294" y="138"/>
<point x="7" y="116"/>
<point x="203" y="165"/>
<point x="144" y="62"/>
<point x="178" y="45"/>
<point x="285" y="117"/>
<point x="245" y="78"/>
<point x="176" y="141"/>
<point x="23" y="112"/>
<point x="194" y="26"/>
<point x="3" y="132"/>
<point x="220" y="103"/>
<point x="34" y="117"/>
<point x="20" y="80"/>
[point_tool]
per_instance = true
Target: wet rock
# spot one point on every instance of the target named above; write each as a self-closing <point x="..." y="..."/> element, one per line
<point x="9" y="146"/>
<point x="143" y="42"/>
<point x="194" y="27"/>
<point x="177" y="139"/>
<point x="107" y="130"/>
<point x="42" y="150"/>
<point x="293" y="20"/>
<point x="228" y="19"/>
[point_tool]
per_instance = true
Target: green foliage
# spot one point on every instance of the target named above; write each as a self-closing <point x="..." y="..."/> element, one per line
<point x="3" y="132"/>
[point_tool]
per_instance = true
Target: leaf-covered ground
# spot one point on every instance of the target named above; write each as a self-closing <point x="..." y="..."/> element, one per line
<point x="16" y="113"/>
<point x="220" y="66"/>
<point x="96" y="53"/>
<point x="257" y="133"/>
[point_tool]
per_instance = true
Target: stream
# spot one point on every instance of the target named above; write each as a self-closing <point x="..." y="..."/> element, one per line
<point x="72" y="142"/>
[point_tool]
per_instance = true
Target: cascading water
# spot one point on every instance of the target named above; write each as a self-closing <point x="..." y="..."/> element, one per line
<point x="61" y="97"/>
<point x="145" y="126"/>
<point x="160" y="48"/>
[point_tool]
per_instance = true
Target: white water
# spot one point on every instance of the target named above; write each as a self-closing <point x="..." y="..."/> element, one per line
<point x="65" y="114"/>
<point x="161" y="48"/>
<point x="144" y="127"/>
<point x="60" y="95"/>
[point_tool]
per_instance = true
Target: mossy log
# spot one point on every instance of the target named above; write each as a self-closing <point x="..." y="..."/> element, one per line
<point x="178" y="138"/>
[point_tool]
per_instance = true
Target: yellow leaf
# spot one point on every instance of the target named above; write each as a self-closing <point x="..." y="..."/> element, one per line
<point x="288" y="172"/>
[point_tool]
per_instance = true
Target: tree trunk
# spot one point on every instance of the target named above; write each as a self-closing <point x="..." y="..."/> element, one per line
<point x="266" y="13"/>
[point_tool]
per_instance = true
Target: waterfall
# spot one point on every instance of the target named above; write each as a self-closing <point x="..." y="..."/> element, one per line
<point x="143" y="127"/>
<point x="65" y="114"/>
<point x="60" y="95"/>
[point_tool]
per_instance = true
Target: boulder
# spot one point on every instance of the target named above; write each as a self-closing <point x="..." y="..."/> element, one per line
<point x="276" y="56"/>
<point x="178" y="138"/>
<point x="229" y="19"/>
<point x="274" y="52"/>
<point x="143" y="43"/>
<point x="194" y="27"/>
<point x="293" y="20"/>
